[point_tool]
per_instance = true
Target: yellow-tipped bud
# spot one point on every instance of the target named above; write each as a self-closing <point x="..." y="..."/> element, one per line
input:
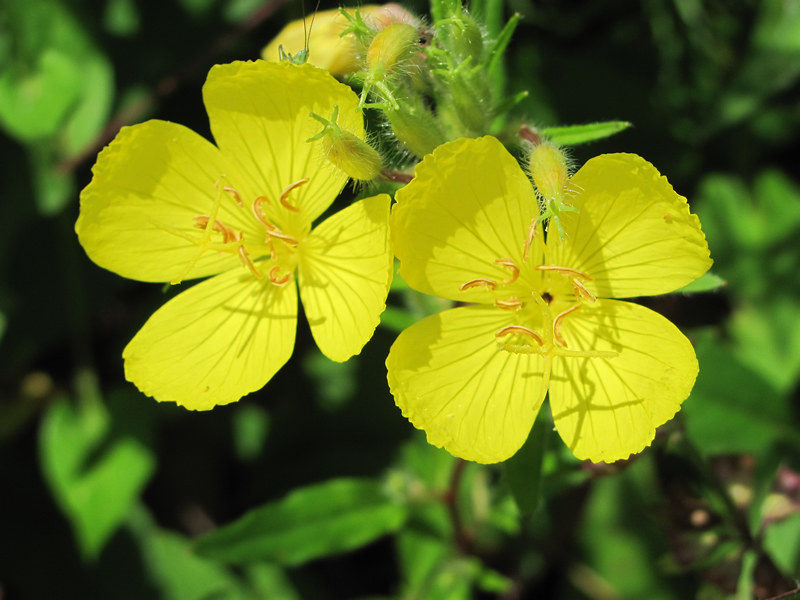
<point x="347" y="151"/>
<point x="352" y="155"/>
<point x="320" y="36"/>
<point x="391" y="48"/>
<point x="548" y="169"/>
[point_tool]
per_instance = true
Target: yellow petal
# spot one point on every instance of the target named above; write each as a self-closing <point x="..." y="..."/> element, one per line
<point x="345" y="268"/>
<point x="634" y="235"/>
<point x="259" y="114"/>
<point x="148" y="186"/>
<point x="450" y="379"/>
<point x="606" y="409"/>
<point x="468" y="205"/>
<point x="217" y="341"/>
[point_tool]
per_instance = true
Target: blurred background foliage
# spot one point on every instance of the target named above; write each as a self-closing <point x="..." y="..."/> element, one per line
<point x="316" y="487"/>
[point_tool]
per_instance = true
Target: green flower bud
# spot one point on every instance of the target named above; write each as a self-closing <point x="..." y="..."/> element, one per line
<point x="346" y="151"/>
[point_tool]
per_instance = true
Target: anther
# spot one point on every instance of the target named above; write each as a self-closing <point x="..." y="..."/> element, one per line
<point x="273" y="276"/>
<point x="565" y="271"/>
<point x="512" y="303"/>
<point x="287" y="190"/>
<point x="519" y="329"/>
<point x="509" y="264"/>
<point x="557" y="324"/>
<point x="478" y="282"/>
<point x="228" y="234"/>
<point x="581" y="290"/>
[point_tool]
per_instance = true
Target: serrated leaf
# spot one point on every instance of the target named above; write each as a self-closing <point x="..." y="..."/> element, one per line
<point x="573" y="135"/>
<point x="311" y="522"/>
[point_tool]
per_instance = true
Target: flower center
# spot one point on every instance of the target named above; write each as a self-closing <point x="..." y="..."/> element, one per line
<point x="272" y="253"/>
<point x="541" y="308"/>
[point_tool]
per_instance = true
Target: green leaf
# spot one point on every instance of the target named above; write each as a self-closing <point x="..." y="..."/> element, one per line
<point x="93" y="106"/>
<point x="335" y="381"/>
<point x="397" y="319"/>
<point x="53" y="188"/>
<point x="432" y="570"/>
<point x="178" y="573"/>
<point x="250" y="429"/>
<point x="523" y="471"/>
<point x="121" y="17"/>
<point x="95" y="478"/>
<point x="572" y="135"/>
<point x="311" y="522"/>
<point x="782" y="542"/>
<point x="767" y="339"/>
<point x="708" y="282"/>
<point x="34" y="103"/>
<point x="732" y="409"/>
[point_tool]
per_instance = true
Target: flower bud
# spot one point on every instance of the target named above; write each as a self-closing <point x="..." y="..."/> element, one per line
<point x="417" y="129"/>
<point x="548" y="168"/>
<point x="391" y="48"/>
<point x="352" y="155"/>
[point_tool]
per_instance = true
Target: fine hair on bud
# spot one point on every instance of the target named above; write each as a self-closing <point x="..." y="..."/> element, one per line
<point x="549" y="167"/>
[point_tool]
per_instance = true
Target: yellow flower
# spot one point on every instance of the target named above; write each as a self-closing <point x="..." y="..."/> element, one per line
<point x="544" y="318"/>
<point x="166" y="205"/>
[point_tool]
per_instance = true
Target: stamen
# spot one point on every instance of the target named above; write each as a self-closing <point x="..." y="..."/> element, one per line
<point x="565" y="271"/>
<point x="288" y="189"/>
<point x="582" y="291"/>
<point x="520" y="329"/>
<point x="228" y="234"/>
<point x="510" y="264"/>
<point x="478" y="282"/>
<point x="280" y="281"/>
<point x="231" y="191"/>
<point x="529" y="238"/>
<point x="246" y="260"/>
<point x="557" y="324"/>
<point x="272" y="231"/>
<point x="512" y="303"/>
<point x="278" y="234"/>
<point x="258" y="214"/>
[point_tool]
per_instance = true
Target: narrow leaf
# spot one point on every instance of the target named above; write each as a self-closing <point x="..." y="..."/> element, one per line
<point x="315" y="521"/>
<point x="572" y="135"/>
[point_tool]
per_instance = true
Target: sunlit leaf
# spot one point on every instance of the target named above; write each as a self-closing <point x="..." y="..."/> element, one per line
<point x="311" y="522"/>
<point x="572" y="135"/>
